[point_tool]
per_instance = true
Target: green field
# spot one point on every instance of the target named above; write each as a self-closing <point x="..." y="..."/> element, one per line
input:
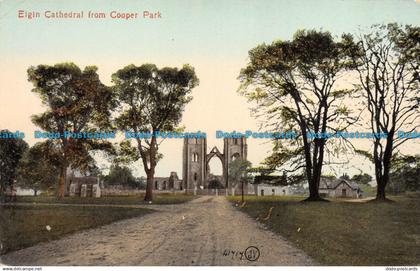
<point x="345" y="233"/>
<point x="24" y="226"/>
<point x="110" y="200"/>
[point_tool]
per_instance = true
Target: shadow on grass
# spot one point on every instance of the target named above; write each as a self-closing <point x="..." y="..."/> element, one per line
<point x="24" y="226"/>
<point x="345" y="233"/>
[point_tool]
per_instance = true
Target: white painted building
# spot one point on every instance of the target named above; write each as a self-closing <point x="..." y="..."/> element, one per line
<point x="272" y="190"/>
<point x="25" y="191"/>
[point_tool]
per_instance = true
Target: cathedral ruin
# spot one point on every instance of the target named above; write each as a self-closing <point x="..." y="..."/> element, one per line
<point x="195" y="169"/>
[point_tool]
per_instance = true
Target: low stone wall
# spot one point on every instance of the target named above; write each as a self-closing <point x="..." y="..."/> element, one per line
<point x="220" y="192"/>
<point x="119" y="191"/>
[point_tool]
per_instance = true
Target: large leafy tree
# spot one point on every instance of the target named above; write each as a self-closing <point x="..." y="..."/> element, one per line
<point x="387" y="60"/>
<point x="151" y="100"/>
<point x="121" y="175"/>
<point x="76" y="101"/>
<point x="39" y="167"/>
<point x="293" y="84"/>
<point x="404" y="174"/>
<point x="11" y="152"/>
<point x="362" y="178"/>
<point x="239" y="171"/>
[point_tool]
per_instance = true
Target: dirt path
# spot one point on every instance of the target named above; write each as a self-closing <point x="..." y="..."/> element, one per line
<point x="205" y="231"/>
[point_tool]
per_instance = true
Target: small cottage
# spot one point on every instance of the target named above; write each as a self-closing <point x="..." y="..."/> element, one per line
<point x="339" y="188"/>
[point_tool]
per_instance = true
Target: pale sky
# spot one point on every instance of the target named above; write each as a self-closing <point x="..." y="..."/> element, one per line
<point x="212" y="36"/>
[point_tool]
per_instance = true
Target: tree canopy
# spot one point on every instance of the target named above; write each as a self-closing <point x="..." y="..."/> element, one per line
<point x="11" y="151"/>
<point x="151" y="100"/>
<point x="76" y="101"/>
<point x="239" y="171"/>
<point x="121" y="175"/>
<point x="387" y="60"/>
<point x="39" y="167"/>
<point x="292" y="84"/>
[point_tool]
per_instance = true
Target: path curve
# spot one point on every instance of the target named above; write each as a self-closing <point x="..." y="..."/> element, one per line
<point x="204" y="231"/>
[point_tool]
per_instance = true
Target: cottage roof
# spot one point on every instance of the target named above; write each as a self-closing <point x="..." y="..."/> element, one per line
<point x="332" y="184"/>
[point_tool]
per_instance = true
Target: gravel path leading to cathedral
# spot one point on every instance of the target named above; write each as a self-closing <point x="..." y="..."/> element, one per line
<point x="204" y="231"/>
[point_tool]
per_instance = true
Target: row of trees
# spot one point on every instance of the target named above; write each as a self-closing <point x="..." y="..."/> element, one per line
<point x="11" y="152"/>
<point x="297" y="86"/>
<point x="142" y="99"/>
<point x="123" y="175"/>
<point x="317" y="84"/>
<point x="38" y="167"/>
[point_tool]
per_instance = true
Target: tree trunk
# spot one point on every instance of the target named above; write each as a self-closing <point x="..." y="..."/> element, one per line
<point x="380" y="191"/>
<point x="382" y="178"/>
<point x="35" y="192"/>
<point x="2" y="199"/>
<point x="381" y="185"/>
<point x="149" y="186"/>
<point x="150" y="171"/>
<point x="314" y="175"/>
<point x="242" y="187"/>
<point x="314" y="192"/>
<point x="62" y="182"/>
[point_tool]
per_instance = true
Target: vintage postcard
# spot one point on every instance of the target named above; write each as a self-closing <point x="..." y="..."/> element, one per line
<point x="236" y="133"/>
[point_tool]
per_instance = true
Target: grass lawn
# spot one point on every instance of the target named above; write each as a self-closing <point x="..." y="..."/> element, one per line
<point x="344" y="233"/>
<point x="24" y="226"/>
<point x="117" y="200"/>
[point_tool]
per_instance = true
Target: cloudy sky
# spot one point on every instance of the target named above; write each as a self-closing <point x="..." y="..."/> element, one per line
<point x="212" y="36"/>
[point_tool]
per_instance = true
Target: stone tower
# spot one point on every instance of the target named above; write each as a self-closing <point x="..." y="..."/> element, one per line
<point x="233" y="148"/>
<point x="194" y="161"/>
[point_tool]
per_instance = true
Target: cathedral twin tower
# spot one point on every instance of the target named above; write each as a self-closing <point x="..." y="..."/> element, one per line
<point x="195" y="168"/>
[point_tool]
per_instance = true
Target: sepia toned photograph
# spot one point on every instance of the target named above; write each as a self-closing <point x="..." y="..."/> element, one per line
<point x="268" y="134"/>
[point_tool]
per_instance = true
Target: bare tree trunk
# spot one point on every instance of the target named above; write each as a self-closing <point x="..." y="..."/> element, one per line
<point x="151" y="170"/>
<point x="314" y="176"/>
<point x="380" y="191"/>
<point x="382" y="168"/>
<point x="242" y="188"/>
<point x="62" y="182"/>
<point x="2" y="192"/>
<point x="149" y="186"/>
<point x="382" y="181"/>
<point x="314" y="190"/>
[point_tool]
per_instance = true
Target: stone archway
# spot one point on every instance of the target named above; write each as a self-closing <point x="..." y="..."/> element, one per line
<point x="215" y="154"/>
<point x="196" y="160"/>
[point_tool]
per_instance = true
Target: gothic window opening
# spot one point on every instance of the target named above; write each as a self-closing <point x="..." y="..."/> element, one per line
<point x="195" y="157"/>
<point x="234" y="157"/>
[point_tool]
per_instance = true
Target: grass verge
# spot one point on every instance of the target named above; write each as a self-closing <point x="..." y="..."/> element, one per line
<point x="24" y="226"/>
<point x="345" y="233"/>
